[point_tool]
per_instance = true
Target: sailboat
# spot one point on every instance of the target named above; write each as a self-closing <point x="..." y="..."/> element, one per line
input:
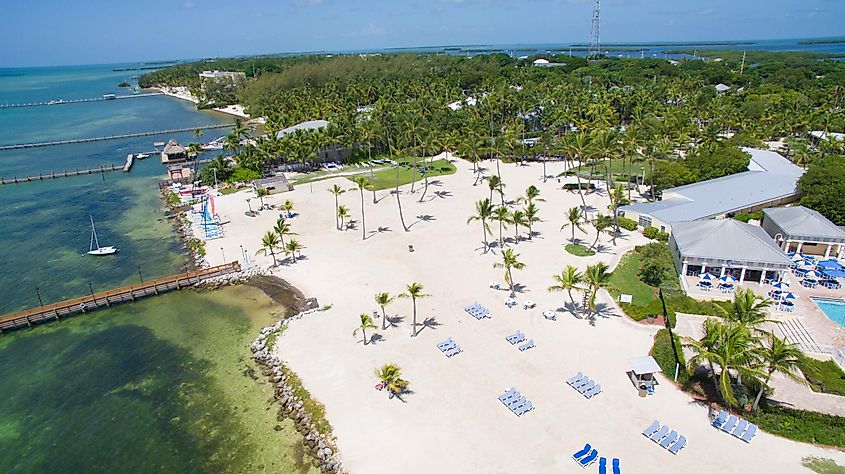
<point x="94" y="247"/>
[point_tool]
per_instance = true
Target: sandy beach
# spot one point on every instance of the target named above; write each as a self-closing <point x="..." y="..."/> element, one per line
<point x="452" y="420"/>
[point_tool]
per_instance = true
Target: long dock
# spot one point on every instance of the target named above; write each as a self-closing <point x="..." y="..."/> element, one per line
<point x="63" y="174"/>
<point x="56" y="311"/>
<point x="20" y="146"/>
<point x="78" y="101"/>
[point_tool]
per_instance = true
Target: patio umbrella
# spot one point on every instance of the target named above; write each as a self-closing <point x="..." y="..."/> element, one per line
<point x="830" y="264"/>
<point x="781" y="285"/>
<point x="790" y="296"/>
<point x="727" y="279"/>
<point x="835" y="273"/>
<point x="814" y="274"/>
<point x="706" y="276"/>
<point x="796" y="258"/>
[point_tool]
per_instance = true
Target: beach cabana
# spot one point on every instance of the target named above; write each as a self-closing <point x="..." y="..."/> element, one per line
<point x="642" y="372"/>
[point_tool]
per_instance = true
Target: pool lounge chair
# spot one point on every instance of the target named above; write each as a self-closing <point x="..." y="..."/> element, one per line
<point x="657" y="436"/>
<point x="445" y="344"/>
<point x="578" y="455"/>
<point x="519" y="401"/>
<point x="453" y="351"/>
<point x="510" y="393"/>
<point x="602" y="465"/>
<point x="516" y="337"/>
<point x="679" y="444"/>
<point x="740" y="428"/>
<point x="655" y="425"/>
<point x="574" y="379"/>
<point x="593" y="391"/>
<point x="615" y="466"/>
<point x="720" y="419"/>
<point x="583" y="389"/>
<point x="667" y="441"/>
<point x="580" y="383"/>
<point x="730" y="424"/>
<point x="528" y="406"/>
<point x="527" y="345"/>
<point x="589" y="459"/>
<point x="749" y="433"/>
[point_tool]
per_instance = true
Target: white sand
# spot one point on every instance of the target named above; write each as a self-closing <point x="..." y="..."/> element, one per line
<point x="453" y="422"/>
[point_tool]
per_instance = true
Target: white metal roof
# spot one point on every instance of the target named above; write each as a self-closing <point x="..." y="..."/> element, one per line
<point x="728" y="240"/>
<point x="805" y="224"/>
<point x="644" y="365"/>
<point x="309" y="125"/>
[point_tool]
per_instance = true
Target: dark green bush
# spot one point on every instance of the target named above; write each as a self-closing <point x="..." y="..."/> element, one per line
<point x="799" y="425"/>
<point x="665" y="358"/>
<point x="627" y="224"/>
<point x="650" y="232"/>
<point x="663" y="236"/>
<point x="574" y="186"/>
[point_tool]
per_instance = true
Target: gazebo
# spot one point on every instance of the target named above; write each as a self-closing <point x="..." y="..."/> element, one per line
<point x="642" y="372"/>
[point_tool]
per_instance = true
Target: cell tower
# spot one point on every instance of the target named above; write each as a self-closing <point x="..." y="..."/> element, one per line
<point x="595" y="47"/>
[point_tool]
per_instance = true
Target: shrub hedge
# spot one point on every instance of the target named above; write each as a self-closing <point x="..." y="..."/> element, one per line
<point x="627" y="224"/>
<point x="665" y="358"/>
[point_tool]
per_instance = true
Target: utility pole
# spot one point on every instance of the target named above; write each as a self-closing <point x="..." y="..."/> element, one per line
<point x="595" y="47"/>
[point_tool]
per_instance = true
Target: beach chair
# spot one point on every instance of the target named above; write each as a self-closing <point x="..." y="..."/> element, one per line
<point x="593" y="391"/>
<point x="658" y="435"/>
<point x="516" y="337"/>
<point x="589" y="459"/>
<point x="519" y="401"/>
<point x="453" y="351"/>
<point x="667" y="441"/>
<point x="580" y="383"/>
<point x="583" y="389"/>
<point x="524" y="408"/>
<point x="578" y="455"/>
<point x="574" y="379"/>
<point x="510" y="393"/>
<point x="720" y="419"/>
<point x="445" y="344"/>
<point x="679" y="444"/>
<point x="655" y="425"/>
<point x="730" y="424"/>
<point x="740" y="429"/>
<point x="615" y="466"/>
<point x="749" y="433"/>
<point x="527" y="345"/>
<point x="602" y="465"/>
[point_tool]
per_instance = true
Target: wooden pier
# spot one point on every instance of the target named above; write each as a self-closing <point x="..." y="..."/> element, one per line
<point x="56" y="311"/>
<point x="78" y="101"/>
<point x="20" y="146"/>
<point x="63" y="174"/>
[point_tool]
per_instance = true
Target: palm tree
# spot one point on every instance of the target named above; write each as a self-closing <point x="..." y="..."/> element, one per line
<point x="503" y="217"/>
<point x="269" y="243"/>
<point x="483" y="213"/>
<point x="531" y="218"/>
<point x="568" y="280"/>
<point x="261" y="192"/>
<point x="601" y="223"/>
<point x="282" y="228"/>
<point x="342" y="213"/>
<point x="288" y="206"/>
<point x="292" y="248"/>
<point x="383" y="299"/>
<point x="596" y="277"/>
<point x="366" y="323"/>
<point x="337" y="191"/>
<point x="532" y="193"/>
<point x="361" y="182"/>
<point x="778" y="356"/>
<point x="573" y="219"/>
<point x="414" y="291"/>
<point x="495" y="184"/>
<point x="748" y="308"/>
<point x="510" y="261"/>
<point x="391" y="376"/>
<point x="617" y="199"/>
<point x="518" y="218"/>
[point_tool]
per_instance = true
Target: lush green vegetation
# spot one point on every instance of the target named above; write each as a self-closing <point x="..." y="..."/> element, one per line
<point x="579" y="250"/>
<point x="747" y="216"/>
<point x="625" y="279"/>
<point x="823" y="465"/>
<point x="664" y="355"/>
<point x="824" y="376"/>
<point x="800" y="425"/>
<point x="822" y="187"/>
<point x="386" y="178"/>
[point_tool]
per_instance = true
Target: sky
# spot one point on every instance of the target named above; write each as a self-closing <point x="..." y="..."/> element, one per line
<point x="58" y="32"/>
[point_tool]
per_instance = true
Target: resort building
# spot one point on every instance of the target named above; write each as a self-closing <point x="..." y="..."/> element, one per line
<point x="220" y="75"/>
<point x="817" y="136"/>
<point x="330" y="153"/>
<point x="173" y="153"/>
<point x="771" y="180"/>
<point x="726" y="247"/>
<point x="273" y="184"/>
<point x="801" y="230"/>
<point x="307" y="125"/>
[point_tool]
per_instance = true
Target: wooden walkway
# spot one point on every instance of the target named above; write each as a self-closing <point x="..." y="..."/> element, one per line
<point x="78" y="101"/>
<point x="84" y="304"/>
<point x="21" y="146"/>
<point x="65" y="174"/>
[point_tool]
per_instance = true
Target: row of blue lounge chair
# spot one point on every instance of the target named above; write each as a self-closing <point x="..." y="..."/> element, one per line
<point x="449" y="347"/>
<point x="588" y="455"/>
<point x="519" y="337"/>
<point x="516" y="402"/>
<point x="736" y="426"/>
<point x="670" y="440"/>
<point x="584" y="386"/>
<point x="477" y="311"/>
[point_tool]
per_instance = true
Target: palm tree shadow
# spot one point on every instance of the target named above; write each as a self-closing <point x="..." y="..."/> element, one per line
<point x="380" y="230"/>
<point x="352" y="225"/>
<point x="429" y="322"/>
<point x="403" y="393"/>
<point x="519" y="288"/>
<point x="376" y="338"/>
<point x="395" y="321"/>
<point x="422" y="218"/>
<point x="443" y="194"/>
<point x="604" y="311"/>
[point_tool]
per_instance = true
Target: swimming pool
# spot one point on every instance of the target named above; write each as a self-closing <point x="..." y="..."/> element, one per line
<point x="833" y="309"/>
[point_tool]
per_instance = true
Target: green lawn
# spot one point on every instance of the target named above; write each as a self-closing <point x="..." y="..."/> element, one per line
<point x="385" y="178"/>
<point x="624" y="279"/>
<point x="824" y="376"/>
<point x="618" y="169"/>
<point x="579" y="250"/>
<point x="823" y="465"/>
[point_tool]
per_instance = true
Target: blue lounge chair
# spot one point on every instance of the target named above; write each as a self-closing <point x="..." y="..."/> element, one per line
<point x="574" y="379"/>
<point x="749" y="433"/>
<point x="516" y="337"/>
<point x="453" y="351"/>
<point x="583" y="389"/>
<point x="602" y="465"/>
<point x="589" y="459"/>
<point x="667" y="441"/>
<point x="445" y="344"/>
<point x="720" y="419"/>
<point x="682" y="441"/>
<point x="578" y="455"/>
<point x="740" y="429"/>
<point x="510" y="393"/>
<point x="527" y="345"/>
<point x="730" y="424"/>
<point x="593" y="391"/>
<point x="616" y="468"/>
<point x="657" y="436"/>
<point x="655" y="425"/>
<point x="512" y="404"/>
<point x="580" y="383"/>
<point x="528" y="406"/>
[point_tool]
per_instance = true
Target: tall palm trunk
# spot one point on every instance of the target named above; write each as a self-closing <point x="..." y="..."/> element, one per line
<point x="399" y="202"/>
<point x="414" y="301"/>
<point x="383" y="319"/>
<point x="336" y="217"/>
<point x="484" y="230"/>
<point x="372" y="172"/>
<point x="580" y="193"/>
<point x="760" y="392"/>
<point x="501" y="240"/>
<point x="363" y="219"/>
<point x="414" y="156"/>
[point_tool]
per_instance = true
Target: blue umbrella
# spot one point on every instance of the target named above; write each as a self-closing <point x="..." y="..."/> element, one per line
<point x="781" y="285"/>
<point x="706" y="276"/>
<point x="814" y="274"/>
<point x="790" y="296"/>
<point x="728" y="278"/>
<point x="835" y="273"/>
<point x="830" y="264"/>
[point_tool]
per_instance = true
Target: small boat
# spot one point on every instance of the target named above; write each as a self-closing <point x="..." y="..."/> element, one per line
<point x="141" y="156"/>
<point x="94" y="247"/>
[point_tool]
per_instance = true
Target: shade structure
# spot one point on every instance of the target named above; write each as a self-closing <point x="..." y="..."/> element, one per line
<point x="814" y="274"/>
<point x="727" y="279"/>
<point x="790" y="296"/>
<point x="781" y="285"/>
<point x="796" y="258"/>
<point x="835" y="273"/>
<point x="707" y="276"/>
<point x="830" y="264"/>
<point x="644" y="365"/>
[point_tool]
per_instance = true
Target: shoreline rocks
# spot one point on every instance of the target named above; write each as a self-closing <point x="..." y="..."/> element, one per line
<point x="320" y="447"/>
